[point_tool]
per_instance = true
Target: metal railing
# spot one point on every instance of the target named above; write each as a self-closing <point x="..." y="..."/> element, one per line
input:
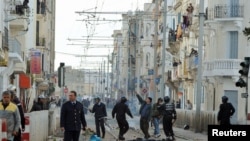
<point x="225" y="11"/>
<point x="15" y="46"/>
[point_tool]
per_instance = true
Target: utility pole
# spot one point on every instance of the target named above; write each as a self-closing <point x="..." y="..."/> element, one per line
<point x="104" y="78"/>
<point x="155" y="46"/>
<point x="112" y="76"/>
<point x="163" y="62"/>
<point x="108" y="77"/>
<point x="138" y="58"/>
<point x="199" y="74"/>
<point x="100" y="80"/>
<point x="89" y="84"/>
<point x="118" y="62"/>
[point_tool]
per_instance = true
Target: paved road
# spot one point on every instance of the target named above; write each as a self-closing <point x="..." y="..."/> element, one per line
<point x="112" y="131"/>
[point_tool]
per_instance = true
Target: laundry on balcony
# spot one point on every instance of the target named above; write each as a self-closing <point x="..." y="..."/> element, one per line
<point x="185" y="23"/>
<point x="179" y="32"/>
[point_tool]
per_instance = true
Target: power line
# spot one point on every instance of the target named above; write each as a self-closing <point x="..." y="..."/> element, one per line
<point x="79" y="55"/>
<point x="119" y="13"/>
<point x="98" y="36"/>
<point x="93" y="44"/>
<point x="87" y="39"/>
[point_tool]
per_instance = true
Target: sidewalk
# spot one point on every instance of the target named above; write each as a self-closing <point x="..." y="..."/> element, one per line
<point x="179" y="132"/>
<point x="113" y="131"/>
<point x="189" y="135"/>
<point x="134" y="125"/>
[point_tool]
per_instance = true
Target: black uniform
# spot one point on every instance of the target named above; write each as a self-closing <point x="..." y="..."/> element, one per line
<point x="72" y="117"/>
<point x="100" y="112"/>
<point x="120" y="109"/>
<point x="169" y="113"/>
<point x="225" y="112"/>
<point x="20" y="108"/>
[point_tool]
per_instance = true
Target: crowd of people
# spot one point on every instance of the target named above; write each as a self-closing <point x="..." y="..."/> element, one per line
<point x="72" y="115"/>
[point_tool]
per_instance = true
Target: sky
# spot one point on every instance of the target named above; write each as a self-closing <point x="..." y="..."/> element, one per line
<point x="71" y="26"/>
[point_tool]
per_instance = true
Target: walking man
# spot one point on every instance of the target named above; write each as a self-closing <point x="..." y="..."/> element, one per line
<point x="169" y="117"/>
<point x="225" y="112"/>
<point x="100" y="113"/>
<point x="120" y="110"/>
<point x="156" y="115"/>
<point x="72" y="118"/>
<point x="9" y="111"/>
<point x="16" y="101"/>
<point x="145" y="112"/>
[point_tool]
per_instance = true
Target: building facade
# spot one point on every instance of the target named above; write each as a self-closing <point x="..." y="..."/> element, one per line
<point x="27" y="46"/>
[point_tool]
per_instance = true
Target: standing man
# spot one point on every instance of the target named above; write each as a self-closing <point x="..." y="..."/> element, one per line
<point x="156" y="115"/>
<point x="72" y="118"/>
<point x="225" y="112"/>
<point x="169" y="117"/>
<point x="120" y="110"/>
<point x="9" y="111"/>
<point x="16" y="101"/>
<point x="145" y="112"/>
<point x="38" y="106"/>
<point x="100" y="113"/>
<point x="189" y="105"/>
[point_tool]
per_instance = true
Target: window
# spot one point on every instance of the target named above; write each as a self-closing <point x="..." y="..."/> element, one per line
<point x="233" y="46"/>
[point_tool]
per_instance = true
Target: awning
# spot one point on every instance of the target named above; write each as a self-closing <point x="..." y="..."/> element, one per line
<point x="24" y="81"/>
<point x="43" y="85"/>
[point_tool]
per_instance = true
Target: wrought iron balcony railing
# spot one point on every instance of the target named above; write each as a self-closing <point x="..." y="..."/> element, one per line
<point x="225" y="11"/>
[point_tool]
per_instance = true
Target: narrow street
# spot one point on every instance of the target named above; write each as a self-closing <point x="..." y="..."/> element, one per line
<point x="134" y="132"/>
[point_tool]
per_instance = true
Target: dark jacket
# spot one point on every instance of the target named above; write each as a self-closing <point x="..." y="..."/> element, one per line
<point x="120" y="109"/>
<point x="37" y="106"/>
<point x="155" y="111"/>
<point x="143" y="104"/>
<point x="20" y="108"/>
<point x="72" y="116"/>
<point x="168" y="109"/>
<point x="225" y="112"/>
<point x="100" y="110"/>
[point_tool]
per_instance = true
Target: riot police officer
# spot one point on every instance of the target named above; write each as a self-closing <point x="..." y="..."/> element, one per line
<point x="225" y="112"/>
<point x="169" y="117"/>
<point x="120" y="110"/>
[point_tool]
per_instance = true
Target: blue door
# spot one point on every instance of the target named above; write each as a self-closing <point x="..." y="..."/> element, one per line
<point x="233" y="98"/>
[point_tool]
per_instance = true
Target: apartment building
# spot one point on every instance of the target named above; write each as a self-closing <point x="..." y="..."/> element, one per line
<point x="27" y="46"/>
<point x="224" y="47"/>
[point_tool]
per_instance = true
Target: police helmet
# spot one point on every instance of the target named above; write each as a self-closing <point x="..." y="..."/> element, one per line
<point x="166" y="99"/>
<point x="224" y="99"/>
<point x="123" y="99"/>
<point x="98" y="98"/>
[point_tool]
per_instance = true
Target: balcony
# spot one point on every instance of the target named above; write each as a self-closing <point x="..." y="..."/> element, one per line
<point x="226" y="13"/>
<point x="41" y="10"/>
<point x="20" y="68"/>
<point x="15" y="53"/>
<point x="192" y="63"/>
<point x="222" y="67"/>
<point x="173" y="43"/>
<point x="18" y="17"/>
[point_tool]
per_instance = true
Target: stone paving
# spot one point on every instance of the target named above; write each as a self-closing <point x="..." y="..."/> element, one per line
<point x="134" y="132"/>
